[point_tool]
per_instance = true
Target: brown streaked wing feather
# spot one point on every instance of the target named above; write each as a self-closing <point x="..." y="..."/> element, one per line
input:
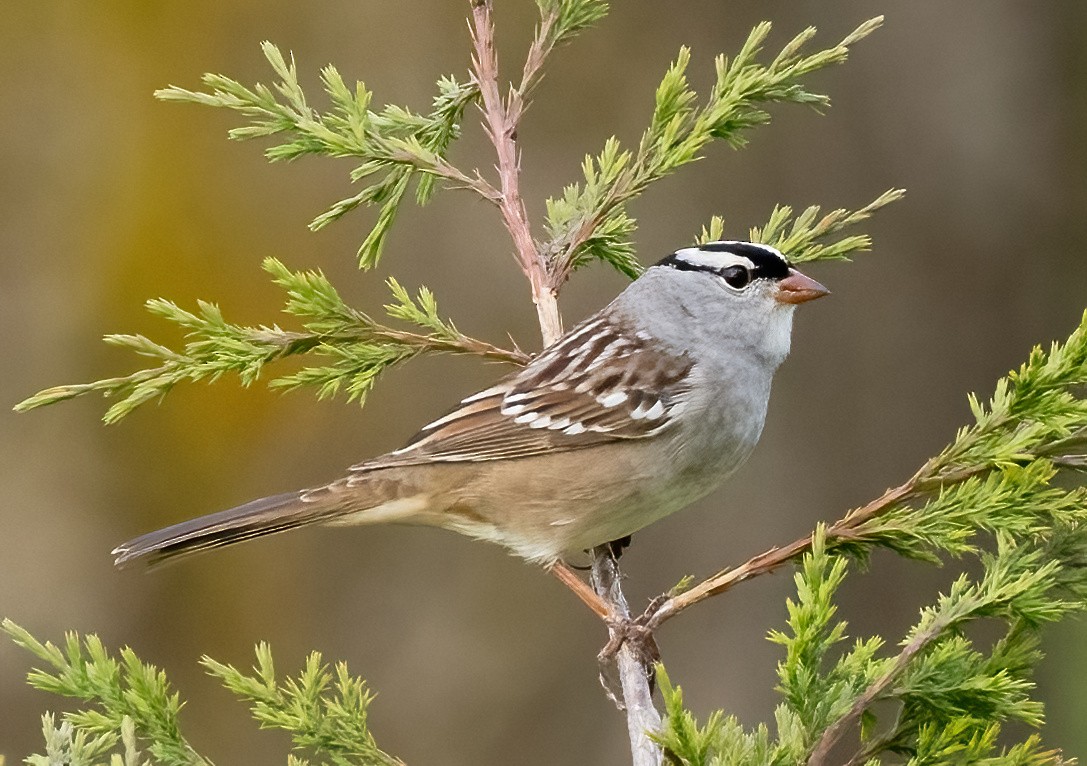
<point x="599" y="383"/>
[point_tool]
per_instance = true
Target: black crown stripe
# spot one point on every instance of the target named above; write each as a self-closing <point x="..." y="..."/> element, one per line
<point x="768" y="264"/>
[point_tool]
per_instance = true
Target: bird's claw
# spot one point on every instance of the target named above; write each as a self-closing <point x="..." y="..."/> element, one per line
<point x="638" y="638"/>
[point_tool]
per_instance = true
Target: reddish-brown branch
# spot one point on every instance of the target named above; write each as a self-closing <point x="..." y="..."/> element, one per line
<point x="500" y="121"/>
<point x="770" y="560"/>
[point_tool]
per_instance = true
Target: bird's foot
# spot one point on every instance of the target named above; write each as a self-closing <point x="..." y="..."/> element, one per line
<point x="616" y="547"/>
<point x="638" y="638"/>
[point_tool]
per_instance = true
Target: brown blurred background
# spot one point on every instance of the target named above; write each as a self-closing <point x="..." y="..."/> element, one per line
<point x="110" y="198"/>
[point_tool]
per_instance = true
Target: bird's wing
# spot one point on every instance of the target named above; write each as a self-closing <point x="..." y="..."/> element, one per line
<point x="599" y="383"/>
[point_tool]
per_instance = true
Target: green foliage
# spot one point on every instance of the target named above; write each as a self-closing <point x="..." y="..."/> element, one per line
<point x="952" y="697"/>
<point x="66" y="744"/>
<point x="360" y="348"/>
<point x="722" y="740"/>
<point x="130" y="702"/>
<point x="1005" y="499"/>
<point x="814" y="698"/>
<point x="390" y="144"/>
<point x="570" y="17"/>
<point x="1007" y="491"/>
<point x="324" y="711"/>
<point x="803" y="237"/>
<point x="123" y="689"/>
<point x="589" y="221"/>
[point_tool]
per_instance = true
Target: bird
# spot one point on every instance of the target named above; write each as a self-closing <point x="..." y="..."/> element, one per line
<point x="636" y="412"/>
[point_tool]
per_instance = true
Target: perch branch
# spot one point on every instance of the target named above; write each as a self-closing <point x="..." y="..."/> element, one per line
<point x="634" y="660"/>
<point x="501" y="120"/>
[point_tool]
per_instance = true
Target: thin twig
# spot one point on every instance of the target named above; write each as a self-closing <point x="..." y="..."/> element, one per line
<point x="542" y="45"/>
<point x="501" y="126"/>
<point x="462" y="344"/>
<point x="770" y="560"/>
<point x="436" y="165"/>
<point x="562" y="250"/>
<point x="927" y="479"/>
<point x="291" y="343"/>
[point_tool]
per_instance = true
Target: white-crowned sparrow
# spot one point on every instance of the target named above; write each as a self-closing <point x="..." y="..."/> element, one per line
<point x="633" y="414"/>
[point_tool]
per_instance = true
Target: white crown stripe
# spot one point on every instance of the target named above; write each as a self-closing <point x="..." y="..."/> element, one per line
<point x="704" y="259"/>
<point x="739" y="243"/>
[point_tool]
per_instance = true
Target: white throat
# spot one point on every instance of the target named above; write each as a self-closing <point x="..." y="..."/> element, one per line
<point x="779" y="334"/>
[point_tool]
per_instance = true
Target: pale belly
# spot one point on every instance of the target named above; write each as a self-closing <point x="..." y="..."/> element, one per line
<point x="587" y="498"/>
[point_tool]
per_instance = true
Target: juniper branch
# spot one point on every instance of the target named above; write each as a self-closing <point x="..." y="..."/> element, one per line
<point x="72" y="746"/>
<point x="803" y="238"/>
<point x="392" y="143"/>
<point x="938" y="666"/>
<point x="920" y="640"/>
<point x="589" y="221"/>
<point x="951" y="695"/>
<point x="560" y="21"/>
<point x="949" y="683"/>
<point x="124" y="689"/>
<point x="324" y="710"/>
<point x="360" y="347"/>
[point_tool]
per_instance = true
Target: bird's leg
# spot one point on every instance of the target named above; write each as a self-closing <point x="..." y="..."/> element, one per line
<point x="623" y="630"/>
<point x="588" y="596"/>
<point x="616" y="547"/>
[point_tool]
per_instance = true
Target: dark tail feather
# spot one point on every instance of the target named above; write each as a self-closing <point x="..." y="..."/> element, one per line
<point x="256" y="519"/>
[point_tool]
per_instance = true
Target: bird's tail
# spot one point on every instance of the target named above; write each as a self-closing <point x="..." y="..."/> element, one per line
<point x="343" y="502"/>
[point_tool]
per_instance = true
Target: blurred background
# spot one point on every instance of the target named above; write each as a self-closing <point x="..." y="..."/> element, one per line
<point x="110" y="198"/>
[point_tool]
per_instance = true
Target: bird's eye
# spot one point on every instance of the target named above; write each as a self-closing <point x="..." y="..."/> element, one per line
<point x="736" y="276"/>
